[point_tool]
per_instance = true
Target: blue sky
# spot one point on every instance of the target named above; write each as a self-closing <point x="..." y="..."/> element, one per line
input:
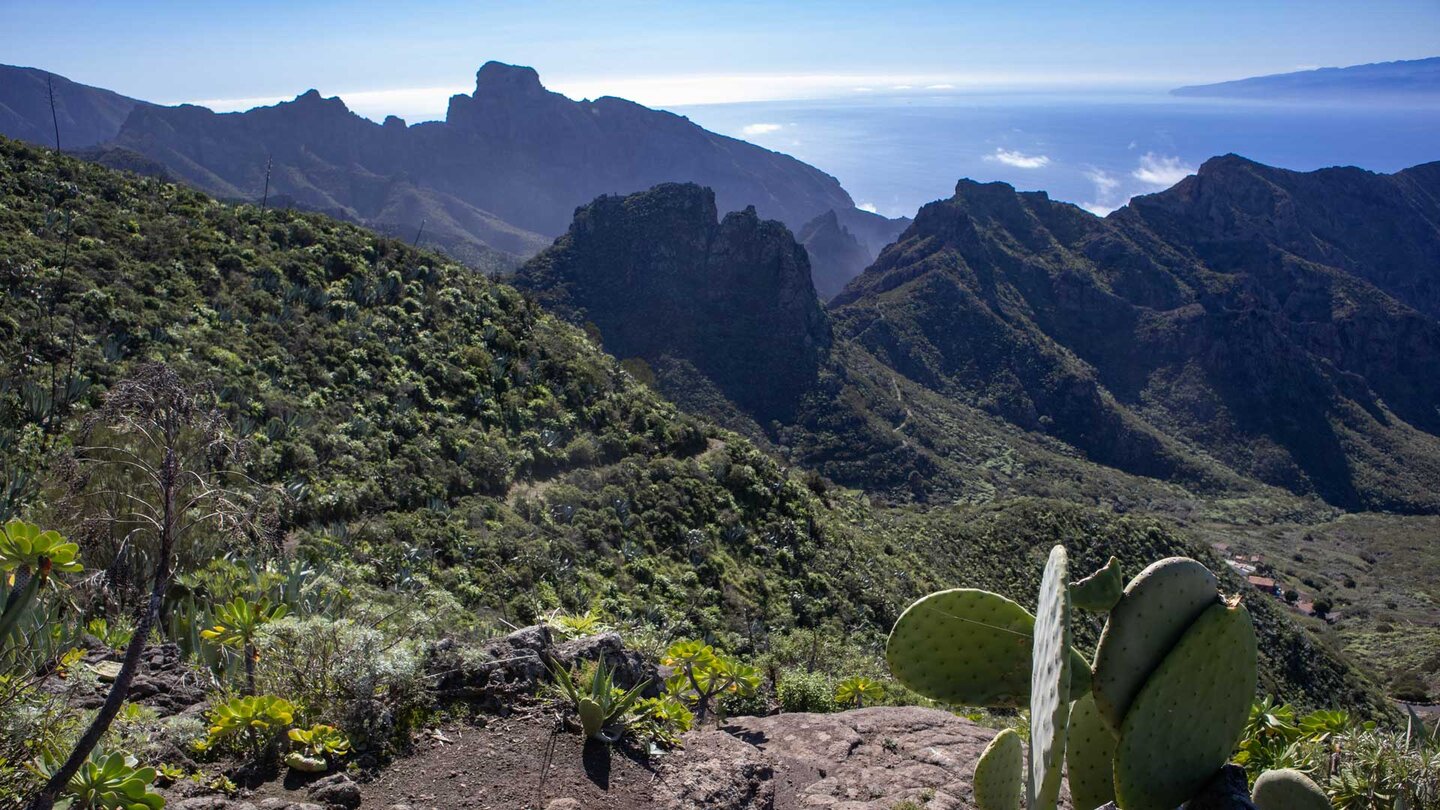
<point x="407" y="57"/>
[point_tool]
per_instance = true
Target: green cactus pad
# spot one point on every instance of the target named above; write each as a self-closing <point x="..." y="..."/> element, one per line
<point x="1183" y="724"/>
<point x="1050" y="683"/>
<point x="1288" y="789"/>
<point x="969" y="648"/>
<point x="1089" y="756"/>
<point x="1159" y="605"/>
<point x="1101" y="590"/>
<point x="1000" y="773"/>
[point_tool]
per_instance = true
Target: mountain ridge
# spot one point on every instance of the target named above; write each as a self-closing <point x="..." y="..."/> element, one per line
<point x="1410" y="79"/>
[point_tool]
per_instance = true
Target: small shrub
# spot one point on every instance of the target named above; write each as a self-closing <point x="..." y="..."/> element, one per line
<point x="701" y="675"/>
<point x="255" y="720"/>
<point x="858" y="690"/>
<point x="803" y="691"/>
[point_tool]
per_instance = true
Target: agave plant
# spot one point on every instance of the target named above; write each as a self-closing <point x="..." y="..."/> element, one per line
<point x="599" y="703"/>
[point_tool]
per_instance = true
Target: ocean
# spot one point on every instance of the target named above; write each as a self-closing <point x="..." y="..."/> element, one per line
<point x="894" y="153"/>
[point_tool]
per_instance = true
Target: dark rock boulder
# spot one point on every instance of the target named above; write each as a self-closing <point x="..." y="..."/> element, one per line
<point x="506" y="671"/>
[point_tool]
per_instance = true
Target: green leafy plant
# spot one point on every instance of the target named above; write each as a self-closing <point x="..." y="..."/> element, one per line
<point x="256" y="718"/>
<point x="319" y="745"/>
<point x="700" y="675"/>
<point x="237" y="623"/>
<point x="856" y="690"/>
<point x="29" y="555"/>
<point x="114" y="636"/>
<point x="571" y="625"/>
<point x="598" y="702"/>
<point x="107" y="782"/>
<point x="661" y="720"/>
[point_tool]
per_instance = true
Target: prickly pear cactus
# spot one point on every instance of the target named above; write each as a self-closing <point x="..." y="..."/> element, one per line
<point x="1288" y="789"/>
<point x="968" y="647"/>
<point x="592" y="716"/>
<point x="1089" y="756"/>
<point x="1050" y="683"/>
<point x="963" y="646"/>
<point x="1183" y="723"/>
<point x="1158" y="606"/>
<point x="1101" y="590"/>
<point x="1000" y="773"/>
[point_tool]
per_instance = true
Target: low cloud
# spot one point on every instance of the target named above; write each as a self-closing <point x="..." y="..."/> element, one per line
<point x="1160" y="170"/>
<point x="1107" y="196"/>
<point x="939" y="87"/>
<point x="761" y="129"/>
<point x="868" y="207"/>
<point x="1019" y="160"/>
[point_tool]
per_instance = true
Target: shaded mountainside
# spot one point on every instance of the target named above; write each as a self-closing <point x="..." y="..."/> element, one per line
<point x="431" y="421"/>
<point x="1379" y="82"/>
<point x="1276" y="322"/>
<point x="503" y="172"/>
<point x="837" y="256"/>
<point x="659" y="276"/>
<point x="85" y="115"/>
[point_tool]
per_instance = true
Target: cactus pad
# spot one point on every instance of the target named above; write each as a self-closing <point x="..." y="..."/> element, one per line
<point x="1101" y="590"/>
<point x="1184" y="722"/>
<point x="1089" y="756"/>
<point x="1288" y="789"/>
<point x="970" y="648"/>
<point x="1050" y="683"/>
<point x="1159" y="605"/>
<point x="1000" y="773"/>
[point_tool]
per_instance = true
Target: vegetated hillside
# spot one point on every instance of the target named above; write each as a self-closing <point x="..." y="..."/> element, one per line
<point x="1275" y="322"/>
<point x="85" y="115"/>
<point x="438" y="430"/>
<point x="1381" y="82"/>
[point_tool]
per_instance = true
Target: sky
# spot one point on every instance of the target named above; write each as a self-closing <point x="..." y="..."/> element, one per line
<point x="408" y="58"/>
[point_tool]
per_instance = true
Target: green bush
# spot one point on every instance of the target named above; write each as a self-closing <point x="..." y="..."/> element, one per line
<point x="804" y="691"/>
<point x="372" y="687"/>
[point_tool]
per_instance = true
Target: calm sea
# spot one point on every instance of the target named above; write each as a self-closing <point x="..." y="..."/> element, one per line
<point x="897" y="152"/>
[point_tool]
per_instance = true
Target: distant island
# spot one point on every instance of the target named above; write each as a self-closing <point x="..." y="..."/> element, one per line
<point x="1382" y="81"/>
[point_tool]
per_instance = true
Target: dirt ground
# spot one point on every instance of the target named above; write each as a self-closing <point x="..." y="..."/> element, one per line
<point x="519" y="763"/>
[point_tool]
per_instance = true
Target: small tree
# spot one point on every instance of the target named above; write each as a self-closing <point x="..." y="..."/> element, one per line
<point x="700" y="675"/>
<point x="237" y="624"/>
<point x="170" y="449"/>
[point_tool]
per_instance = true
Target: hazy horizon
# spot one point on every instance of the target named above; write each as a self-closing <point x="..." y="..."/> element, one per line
<point x="408" y="60"/>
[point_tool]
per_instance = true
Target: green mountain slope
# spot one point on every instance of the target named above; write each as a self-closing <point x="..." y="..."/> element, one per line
<point x="435" y="427"/>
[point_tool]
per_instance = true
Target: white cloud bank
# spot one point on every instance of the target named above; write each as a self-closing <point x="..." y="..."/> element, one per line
<point x="1160" y="170"/>
<point x="868" y="207"/>
<point x="1019" y="160"/>
<point x="761" y="129"/>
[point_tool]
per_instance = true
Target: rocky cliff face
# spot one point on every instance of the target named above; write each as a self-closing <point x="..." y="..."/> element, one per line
<point x="1278" y="322"/>
<point x="836" y="256"/>
<point x="660" y="277"/>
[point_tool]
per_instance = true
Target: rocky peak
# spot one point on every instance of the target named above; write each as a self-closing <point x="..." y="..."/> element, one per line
<point x="499" y="79"/>
<point x="660" y="277"/>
